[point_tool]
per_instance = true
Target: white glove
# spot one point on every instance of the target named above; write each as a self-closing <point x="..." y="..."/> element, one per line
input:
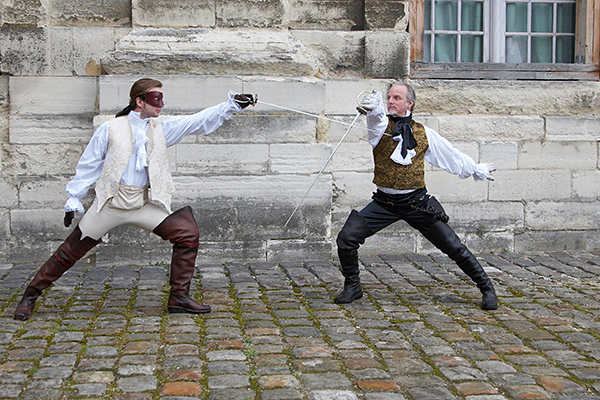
<point x="491" y="167"/>
<point x="370" y="101"/>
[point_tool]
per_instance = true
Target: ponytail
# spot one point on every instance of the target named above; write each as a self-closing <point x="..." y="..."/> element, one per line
<point x="124" y="111"/>
<point x="139" y="88"/>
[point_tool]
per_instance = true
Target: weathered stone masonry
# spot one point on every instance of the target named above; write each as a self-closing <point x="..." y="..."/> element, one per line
<point x="67" y="67"/>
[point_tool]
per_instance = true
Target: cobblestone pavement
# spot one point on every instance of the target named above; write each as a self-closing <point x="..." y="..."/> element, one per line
<point x="275" y="332"/>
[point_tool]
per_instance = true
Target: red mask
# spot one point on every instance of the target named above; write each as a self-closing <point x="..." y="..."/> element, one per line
<point x="154" y="98"/>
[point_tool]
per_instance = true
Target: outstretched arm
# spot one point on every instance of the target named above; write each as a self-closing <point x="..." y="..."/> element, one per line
<point x="441" y="153"/>
<point x="200" y="123"/>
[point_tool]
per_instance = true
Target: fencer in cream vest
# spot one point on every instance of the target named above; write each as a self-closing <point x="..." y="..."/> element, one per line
<point x="126" y="157"/>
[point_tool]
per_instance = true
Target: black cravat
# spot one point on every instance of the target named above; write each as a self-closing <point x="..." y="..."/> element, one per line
<point x="404" y="129"/>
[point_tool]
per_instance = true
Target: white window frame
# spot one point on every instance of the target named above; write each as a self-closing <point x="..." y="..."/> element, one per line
<point x="460" y="33"/>
<point x="587" y="50"/>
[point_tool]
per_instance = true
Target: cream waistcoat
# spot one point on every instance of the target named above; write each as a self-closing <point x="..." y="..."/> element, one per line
<point x="120" y="148"/>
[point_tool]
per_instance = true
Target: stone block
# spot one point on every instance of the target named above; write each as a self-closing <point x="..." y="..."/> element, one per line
<point x="52" y="95"/>
<point x="386" y="14"/>
<point x="447" y="187"/>
<point x="71" y="50"/>
<point x="501" y="97"/>
<point x="4" y="108"/>
<point x="257" y="14"/>
<point x="287" y="189"/>
<point x="4" y="118"/>
<point x="302" y="250"/>
<point x="556" y="240"/>
<point x="40" y="160"/>
<point x="23" y="50"/>
<point x="352" y="190"/>
<point x="305" y="95"/>
<point x="571" y="128"/>
<point x="353" y="157"/>
<point x="43" y="193"/>
<point x="530" y="185"/>
<point x="199" y="51"/>
<point x="483" y="127"/>
<point x="175" y="14"/>
<point x="429" y="121"/>
<point x="183" y="94"/>
<point x="299" y="158"/>
<point x="85" y="13"/>
<point x="551" y="216"/>
<point x="256" y="128"/>
<point x="25" y="12"/>
<point x="484" y="217"/>
<point x="56" y="129"/>
<point x="358" y="132"/>
<point x="586" y="184"/>
<point x="551" y="155"/>
<point x="342" y="94"/>
<point x="503" y="154"/>
<point x="340" y="53"/>
<point x="9" y="194"/>
<point x="4" y="228"/>
<point x="490" y="242"/>
<point x="38" y="224"/>
<point x="342" y="15"/>
<point x="227" y="159"/>
<point x="387" y="54"/>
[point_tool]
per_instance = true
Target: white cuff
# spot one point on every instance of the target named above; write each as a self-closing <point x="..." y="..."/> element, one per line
<point x="74" y="204"/>
<point x="482" y="172"/>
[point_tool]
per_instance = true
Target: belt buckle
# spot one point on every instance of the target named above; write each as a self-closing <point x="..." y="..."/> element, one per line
<point x="389" y="203"/>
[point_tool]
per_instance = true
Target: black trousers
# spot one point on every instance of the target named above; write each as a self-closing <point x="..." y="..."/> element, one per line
<point x="422" y="212"/>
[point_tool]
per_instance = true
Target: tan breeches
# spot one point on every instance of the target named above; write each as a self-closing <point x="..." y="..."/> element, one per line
<point x="129" y="206"/>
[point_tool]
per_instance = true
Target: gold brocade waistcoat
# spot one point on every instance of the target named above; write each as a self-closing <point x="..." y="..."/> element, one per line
<point x="389" y="174"/>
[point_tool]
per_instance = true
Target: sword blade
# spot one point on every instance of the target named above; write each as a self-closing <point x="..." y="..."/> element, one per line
<point x="323" y="168"/>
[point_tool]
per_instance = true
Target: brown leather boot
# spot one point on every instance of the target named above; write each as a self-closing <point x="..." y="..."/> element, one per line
<point x="180" y="229"/>
<point x="63" y="258"/>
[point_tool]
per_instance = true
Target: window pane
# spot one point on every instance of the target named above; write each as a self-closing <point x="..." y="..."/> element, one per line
<point x="472" y="16"/>
<point x="471" y="48"/>
<point x="446" y="15"/>
<point x="445" y="48"/>
<point x="516" y="17"/>
<point x="565" y="18"/>
<point x="427" y="15"/>
<point x="427" y="48"/>
<point x="541" y="17"/>
<point x="516" y="49"/>
<point x="565" y="49"/>
<point x="541" y="49"/>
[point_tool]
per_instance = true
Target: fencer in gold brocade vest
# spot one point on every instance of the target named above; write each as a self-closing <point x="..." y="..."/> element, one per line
<point x="390" y="174"/>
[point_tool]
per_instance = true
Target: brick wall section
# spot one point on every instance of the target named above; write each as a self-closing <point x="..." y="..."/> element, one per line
<point x="66" y="68"/>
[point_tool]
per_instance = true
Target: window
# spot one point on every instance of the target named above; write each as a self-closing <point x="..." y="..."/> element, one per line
<point x="531" y="36"/>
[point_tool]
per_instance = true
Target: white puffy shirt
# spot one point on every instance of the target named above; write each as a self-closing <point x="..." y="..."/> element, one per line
<point x="90" y="164"/>
<point x="441" y="153"/>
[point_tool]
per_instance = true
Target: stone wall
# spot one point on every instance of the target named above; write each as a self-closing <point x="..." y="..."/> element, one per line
<point x="68" y="66"/>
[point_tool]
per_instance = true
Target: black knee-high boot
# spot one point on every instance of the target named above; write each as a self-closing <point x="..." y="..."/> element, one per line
<point x="445" y="239"/>
<point x="352" y="235"/>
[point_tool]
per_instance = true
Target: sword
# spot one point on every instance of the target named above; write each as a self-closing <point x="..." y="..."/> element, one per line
<point x="360" y="111"/>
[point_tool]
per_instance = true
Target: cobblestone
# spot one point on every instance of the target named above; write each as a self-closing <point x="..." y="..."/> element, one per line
<point x="276" y="334"/>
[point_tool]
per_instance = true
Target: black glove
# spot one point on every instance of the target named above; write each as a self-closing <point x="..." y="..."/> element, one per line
<point x="69" y="218"/>
<point x="244" y="100"/>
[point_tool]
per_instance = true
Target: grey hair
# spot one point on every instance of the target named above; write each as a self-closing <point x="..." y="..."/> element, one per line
<point x="410" y="92"/>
